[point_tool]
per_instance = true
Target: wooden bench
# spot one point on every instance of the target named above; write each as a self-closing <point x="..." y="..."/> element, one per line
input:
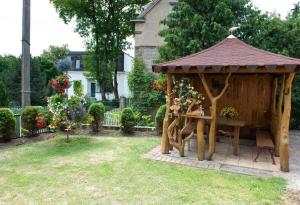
<point x="264" y="141"/>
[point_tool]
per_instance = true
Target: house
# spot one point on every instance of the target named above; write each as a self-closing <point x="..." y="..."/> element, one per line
<point x="147" y="26"/>
<point x="91" y="88"/>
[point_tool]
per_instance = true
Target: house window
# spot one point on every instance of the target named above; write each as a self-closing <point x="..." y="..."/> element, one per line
<point x="77" y="65"/>
<point x="121" y="63"/>
<point x="93" y="90"/>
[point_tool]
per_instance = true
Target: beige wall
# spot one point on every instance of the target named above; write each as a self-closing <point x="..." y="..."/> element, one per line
<point x="151" y="27"/>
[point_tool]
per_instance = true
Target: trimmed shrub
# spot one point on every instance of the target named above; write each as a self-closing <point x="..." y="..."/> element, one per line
<point x="128" y="120"/>
<point x="159" y="118"/>
<point x="78" y="88"/>
<point x="24" y="132"/>
<point x="29" y="115"/>
<point x="7" y="124"/>
<point x="97" y="110"/>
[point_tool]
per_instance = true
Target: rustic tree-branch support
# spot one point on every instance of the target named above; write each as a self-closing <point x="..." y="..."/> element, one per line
<point x="279" y="116"/>
<point x="165" y="140"/>
<point x="273" y="108"/>
<point x="285" y="121"/>
<point x="213" y="110"/>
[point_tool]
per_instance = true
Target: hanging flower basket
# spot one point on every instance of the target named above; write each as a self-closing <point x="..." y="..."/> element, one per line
<point x="61" y="83"/>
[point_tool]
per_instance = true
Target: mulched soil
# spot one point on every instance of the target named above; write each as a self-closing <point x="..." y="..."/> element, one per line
<point x="25" y="140"/>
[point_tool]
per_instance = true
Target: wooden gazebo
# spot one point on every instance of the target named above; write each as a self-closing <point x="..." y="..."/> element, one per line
<point x="232" y="73"/>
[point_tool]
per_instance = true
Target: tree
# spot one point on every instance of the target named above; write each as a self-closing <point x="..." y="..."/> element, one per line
<point x="43" y="68"/>
<point x="10" y="75"/>
<point x="196" y="25"/>
<point x="38" y="84"/>
<point x="293" y="47"/>
<point x="3" y="95"/>
<point x="105" y="24"/>
<point x="55" y="53"/>
<point x="49" y="59"/>
<point x="144" y="97"/>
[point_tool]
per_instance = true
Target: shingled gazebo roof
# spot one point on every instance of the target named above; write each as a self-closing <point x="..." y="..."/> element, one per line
<point x="231" y="55"/>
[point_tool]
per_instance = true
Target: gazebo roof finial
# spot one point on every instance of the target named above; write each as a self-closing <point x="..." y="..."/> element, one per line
<point x="233" y="29"/>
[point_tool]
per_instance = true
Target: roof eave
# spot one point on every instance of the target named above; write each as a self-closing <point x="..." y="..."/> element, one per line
<point x="138" y="20"/>
<point x="288" y="68"/>
<point x="149" y="7"/>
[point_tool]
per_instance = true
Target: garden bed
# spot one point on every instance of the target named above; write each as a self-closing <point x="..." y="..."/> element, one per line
<point x="25" y="140"/>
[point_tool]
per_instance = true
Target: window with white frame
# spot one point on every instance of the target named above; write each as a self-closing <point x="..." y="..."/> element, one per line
<point x="77" y="64"/>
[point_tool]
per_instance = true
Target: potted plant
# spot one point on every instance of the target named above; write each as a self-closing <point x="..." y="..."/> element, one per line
<point x="229" y="113"/>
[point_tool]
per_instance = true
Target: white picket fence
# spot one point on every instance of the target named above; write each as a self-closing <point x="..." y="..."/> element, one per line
<point x="111" y="119"/>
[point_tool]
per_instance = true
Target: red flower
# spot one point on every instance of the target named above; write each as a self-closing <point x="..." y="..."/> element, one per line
<point x="60" y="83"/>
<point x="40" y="122"/>
<point x="65" y="83"/>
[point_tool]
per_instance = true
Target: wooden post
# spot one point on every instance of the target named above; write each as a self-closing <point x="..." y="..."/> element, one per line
<point x="213" y="110"/>
<point x="279" y="117"/>
<point x="165" y="145"/>
<point x="285" y="121"/>
<point x="200" y="139"/>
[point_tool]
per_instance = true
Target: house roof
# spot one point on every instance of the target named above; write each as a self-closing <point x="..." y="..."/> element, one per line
<point x="231" y="55"/>
<point x="77" y="53"/>
<point x="146" y="10"/>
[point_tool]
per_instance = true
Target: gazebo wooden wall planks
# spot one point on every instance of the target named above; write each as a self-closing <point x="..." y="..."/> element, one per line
<point x="233" y="73"/>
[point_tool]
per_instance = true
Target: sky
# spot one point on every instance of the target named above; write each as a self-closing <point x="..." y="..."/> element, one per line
<point x="48" y="29"/>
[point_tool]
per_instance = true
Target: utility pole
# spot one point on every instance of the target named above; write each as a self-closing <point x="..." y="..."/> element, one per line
<point x="26" y="54"/>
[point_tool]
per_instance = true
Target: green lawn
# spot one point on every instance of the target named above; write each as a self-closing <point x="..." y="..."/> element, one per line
<point x="111" y="170"/>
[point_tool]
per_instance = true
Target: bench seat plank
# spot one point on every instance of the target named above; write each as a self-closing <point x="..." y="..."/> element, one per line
<point x="264" y="140"/>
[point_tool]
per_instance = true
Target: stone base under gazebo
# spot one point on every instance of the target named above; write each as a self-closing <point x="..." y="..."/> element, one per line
<point x="223" y="160"/>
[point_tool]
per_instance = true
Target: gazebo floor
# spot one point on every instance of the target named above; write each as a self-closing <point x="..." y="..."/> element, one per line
<point x="224" y="160"/>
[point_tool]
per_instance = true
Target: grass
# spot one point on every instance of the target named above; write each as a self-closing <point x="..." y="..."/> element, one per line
<point x="110" y="170"/>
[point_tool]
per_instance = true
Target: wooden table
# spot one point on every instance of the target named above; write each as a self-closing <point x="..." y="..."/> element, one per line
<point x="236" y="124"/>
<point x="200" y="131"/>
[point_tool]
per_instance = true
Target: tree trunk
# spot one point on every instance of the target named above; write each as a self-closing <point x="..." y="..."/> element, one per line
<point x="102" y="90"/>
<point x="115" y="84"/>
<point x="105" y="70"/>
<point x="99" y="77"/>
